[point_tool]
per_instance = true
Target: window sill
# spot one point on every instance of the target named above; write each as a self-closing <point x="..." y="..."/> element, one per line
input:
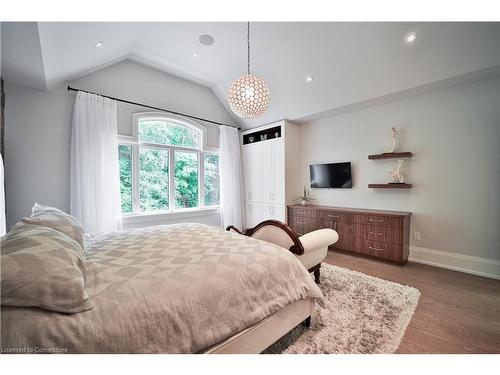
<point x="156" y="217"/>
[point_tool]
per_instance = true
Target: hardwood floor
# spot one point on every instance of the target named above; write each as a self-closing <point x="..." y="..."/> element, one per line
<point x="456" y="313"/>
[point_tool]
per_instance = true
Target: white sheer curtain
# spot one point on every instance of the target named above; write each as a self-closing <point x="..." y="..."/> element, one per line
<point x="95" y="186"/>
<point x="3" y="226"/>
<point x="230" y="177"/>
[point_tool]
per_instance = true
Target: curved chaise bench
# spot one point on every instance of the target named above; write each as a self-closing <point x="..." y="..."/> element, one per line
<point x="310" y="249"/>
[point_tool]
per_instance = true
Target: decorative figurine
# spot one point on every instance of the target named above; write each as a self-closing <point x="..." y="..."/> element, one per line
<point x="396" y="174"/>
<point x="305" y="198"/>
<point x="394" y="137"/>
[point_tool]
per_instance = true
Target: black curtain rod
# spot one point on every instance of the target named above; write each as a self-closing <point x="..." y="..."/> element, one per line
<point x="157" y="108"/>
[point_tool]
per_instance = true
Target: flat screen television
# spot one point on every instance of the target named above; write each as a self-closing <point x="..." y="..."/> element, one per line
<point x="332" y="176"/>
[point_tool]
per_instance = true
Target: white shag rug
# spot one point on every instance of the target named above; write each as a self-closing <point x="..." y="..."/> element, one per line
<point x="363" y="314"/>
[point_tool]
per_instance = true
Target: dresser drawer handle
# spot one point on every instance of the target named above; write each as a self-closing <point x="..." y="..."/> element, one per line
<point x="300" y="212"/>
<point x="376" y="234"/>
<point x="377" y="221"/>
<point x="300" y="222"/>
<point x="375" y="248"/>
<point x="334" y="216"/>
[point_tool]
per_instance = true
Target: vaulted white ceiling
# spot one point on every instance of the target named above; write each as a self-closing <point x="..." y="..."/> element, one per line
<point x="351" y="63"/>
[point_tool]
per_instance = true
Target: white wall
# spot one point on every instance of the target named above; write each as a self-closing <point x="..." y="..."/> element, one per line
<point x="134" y="82"/>
<point x="38" y="129"/>
<point x="37" y="149"/>
<point x="455" y="137"/>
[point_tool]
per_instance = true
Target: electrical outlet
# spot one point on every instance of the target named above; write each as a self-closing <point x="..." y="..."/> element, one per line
<point x="417" y="236"/>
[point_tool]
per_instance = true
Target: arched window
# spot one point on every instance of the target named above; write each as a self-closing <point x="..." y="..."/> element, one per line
<point x="165" y="166"/>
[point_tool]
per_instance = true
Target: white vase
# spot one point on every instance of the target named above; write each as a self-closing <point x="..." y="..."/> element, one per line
<point x="303" y="202"/>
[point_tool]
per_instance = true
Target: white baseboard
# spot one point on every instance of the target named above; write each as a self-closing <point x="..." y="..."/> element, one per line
<point x="456" y="262"/>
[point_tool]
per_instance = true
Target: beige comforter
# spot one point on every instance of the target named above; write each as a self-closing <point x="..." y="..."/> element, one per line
<point x="171" y="289"/>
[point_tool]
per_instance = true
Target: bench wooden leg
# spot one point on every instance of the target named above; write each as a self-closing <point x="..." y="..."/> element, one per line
<point x="317" y="275"/>
<point x="316" y="272"/>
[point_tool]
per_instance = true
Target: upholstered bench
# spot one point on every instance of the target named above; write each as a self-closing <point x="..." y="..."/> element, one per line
<point x="310" y="249"/>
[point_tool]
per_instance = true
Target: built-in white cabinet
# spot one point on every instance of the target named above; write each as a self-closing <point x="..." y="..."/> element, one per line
<point x="251" y="164"/>
<point x="251" y="211"/>
<point x="273" y="211"/>
<point x="272" y="171"/>
<point x="257" y="212"/>
<point x="269" y="155"/>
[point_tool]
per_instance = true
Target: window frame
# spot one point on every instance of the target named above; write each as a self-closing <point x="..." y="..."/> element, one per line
<point x="135" y="144"/>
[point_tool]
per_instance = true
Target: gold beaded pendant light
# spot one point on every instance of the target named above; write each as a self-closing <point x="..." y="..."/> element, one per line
<point x="249" y="95"/>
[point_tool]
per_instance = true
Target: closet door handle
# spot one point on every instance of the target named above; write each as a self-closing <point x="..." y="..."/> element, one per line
<point x="375" y="248"/>
<point x="377" y="221"/>
<point x="376" y="234"/>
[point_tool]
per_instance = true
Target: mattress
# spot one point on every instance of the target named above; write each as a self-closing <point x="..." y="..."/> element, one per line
<point x="166" y="289"/>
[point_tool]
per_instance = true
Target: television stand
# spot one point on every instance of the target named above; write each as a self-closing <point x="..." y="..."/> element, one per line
<point x="378" y="233"/>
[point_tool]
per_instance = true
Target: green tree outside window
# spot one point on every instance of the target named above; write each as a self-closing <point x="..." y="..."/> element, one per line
<point x="172" y="141"/>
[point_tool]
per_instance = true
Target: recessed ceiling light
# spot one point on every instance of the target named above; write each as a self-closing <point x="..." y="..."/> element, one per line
<point x="411" y="37"/>
<point x="206" y="40"/>
<point x="309" y="78"/>
<point x="99" y="44"/>
<point x="195" y="54"/>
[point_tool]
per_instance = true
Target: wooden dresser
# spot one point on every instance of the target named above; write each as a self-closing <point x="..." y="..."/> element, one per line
<point x="383" y="234"/>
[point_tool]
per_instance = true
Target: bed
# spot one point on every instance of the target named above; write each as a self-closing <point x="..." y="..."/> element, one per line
<point x="183" y="288"/>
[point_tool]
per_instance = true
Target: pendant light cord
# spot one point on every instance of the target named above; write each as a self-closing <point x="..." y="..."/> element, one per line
<point x="248" y="45"/>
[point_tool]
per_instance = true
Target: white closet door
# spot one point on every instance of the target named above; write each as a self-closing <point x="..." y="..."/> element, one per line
<point x="273" y="171"/>
<point x="251" y="156"/>
<point x="266" y="212"/>
<point x="279" y="212"/>
<point x="278" y="161"/>
<point x="255" y="213"/>
<point x="258" y="213"/>
<point x="249" y="215"/>
<point x="272" y="212"/>
<point x="267" y="171"/>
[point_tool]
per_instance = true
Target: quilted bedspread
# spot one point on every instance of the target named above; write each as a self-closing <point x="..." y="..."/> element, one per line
<point x="166" y="289"/>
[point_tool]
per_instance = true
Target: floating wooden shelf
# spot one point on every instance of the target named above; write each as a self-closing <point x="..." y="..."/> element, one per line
<point x="390" y="186"/>
<point x="391" y="155"/>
